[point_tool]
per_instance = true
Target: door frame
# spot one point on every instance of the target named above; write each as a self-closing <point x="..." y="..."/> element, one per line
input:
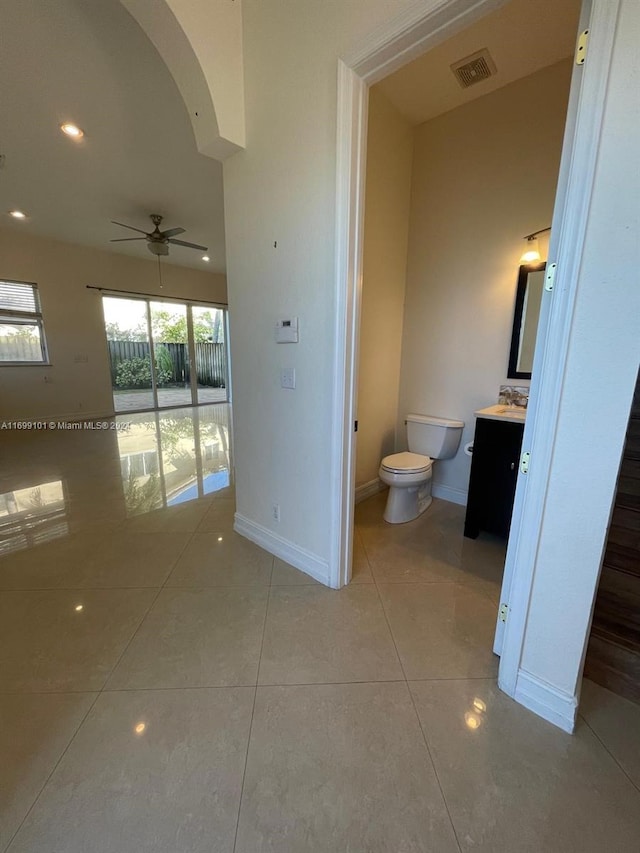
<point x="390" y="47"/>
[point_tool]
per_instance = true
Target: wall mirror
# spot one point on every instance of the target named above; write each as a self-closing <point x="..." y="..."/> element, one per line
<point x="525" y="320"/>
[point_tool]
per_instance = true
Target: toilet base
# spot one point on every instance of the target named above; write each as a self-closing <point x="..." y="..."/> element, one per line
<point x="405" y="504"/>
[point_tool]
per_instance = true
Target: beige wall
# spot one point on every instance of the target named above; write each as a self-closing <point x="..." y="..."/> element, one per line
<point x="282" y="189"/>
<point x="386" y="233"/>
<point x="484" y="175"/>
<point x="73" y="320"/>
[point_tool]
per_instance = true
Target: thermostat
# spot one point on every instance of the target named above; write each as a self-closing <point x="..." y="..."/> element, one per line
<point x="287" y="331"/>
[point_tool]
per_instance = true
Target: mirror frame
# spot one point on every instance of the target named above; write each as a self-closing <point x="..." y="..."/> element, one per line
<point x="523" y="275"/>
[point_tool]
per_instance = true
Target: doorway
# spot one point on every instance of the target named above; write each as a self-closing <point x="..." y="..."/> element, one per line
<point x="403" y="41"/>
<point x="437" y="309"/>
<point x="164" y="353"/>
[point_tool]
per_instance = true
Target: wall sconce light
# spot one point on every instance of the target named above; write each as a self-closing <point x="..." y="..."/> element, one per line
<point x="532" y="254"/>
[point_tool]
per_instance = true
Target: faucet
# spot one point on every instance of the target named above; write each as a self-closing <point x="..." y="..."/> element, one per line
<point x="513" y="396"/>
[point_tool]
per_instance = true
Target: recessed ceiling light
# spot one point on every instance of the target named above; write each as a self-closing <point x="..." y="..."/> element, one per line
<point x="72" y="130"/>
<point x="206" y="258"/>
<point x="17" y="214"/>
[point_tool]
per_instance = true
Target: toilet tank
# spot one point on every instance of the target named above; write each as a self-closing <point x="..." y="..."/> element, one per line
<point x="438" y="438"/>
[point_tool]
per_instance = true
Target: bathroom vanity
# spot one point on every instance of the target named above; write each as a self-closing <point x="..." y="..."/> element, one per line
<point x="494" y="470"/>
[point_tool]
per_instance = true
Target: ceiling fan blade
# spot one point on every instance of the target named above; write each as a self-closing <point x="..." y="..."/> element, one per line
<point x="188" y="245"/>
<point x="126" y="239"/>
<point x="172" y="232"/>
<point x="130" y="227"/>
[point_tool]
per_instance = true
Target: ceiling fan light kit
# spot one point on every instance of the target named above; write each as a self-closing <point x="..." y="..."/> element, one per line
<point x="158" y="248"/>
<point x="157" y="241"/>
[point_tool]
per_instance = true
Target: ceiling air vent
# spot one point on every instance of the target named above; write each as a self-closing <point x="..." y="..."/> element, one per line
<point x="472" y="69"/>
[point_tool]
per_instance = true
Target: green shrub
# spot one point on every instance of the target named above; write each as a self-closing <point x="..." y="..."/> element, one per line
<point x="164" y="365"/>
<point x="136" y="373"/>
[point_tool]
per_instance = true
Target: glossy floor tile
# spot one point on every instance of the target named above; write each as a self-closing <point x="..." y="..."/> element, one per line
<point x="196" y="638"/>
<point x="514" y="782"/>
<point x="39" y="564"/>
<point x="360" y="565"/>
<point x="407" y="561"/>
<point x="222" y="559"/>
<point x="218" y="517"/>
<point x="442" y="630"/>
<point x="316" y="634"/>
<point x="66" y="640"/>
<point x="153" y="772"/>
<point x="116" y="559"/>
<point x="616" y="722"/>
<point x="149" y="654"/>
<point x="430" y="549"/>
<point x="340" y="767"/>
<point x="184" y="518"/>
<point x="35" y="730"/>
<point x="285" y="575"/>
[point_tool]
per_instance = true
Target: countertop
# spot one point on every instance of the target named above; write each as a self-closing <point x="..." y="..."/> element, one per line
<point x="500" y="412"/>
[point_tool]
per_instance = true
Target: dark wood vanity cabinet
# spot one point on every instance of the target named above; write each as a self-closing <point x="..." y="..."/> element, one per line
<point x="494" y="470"/>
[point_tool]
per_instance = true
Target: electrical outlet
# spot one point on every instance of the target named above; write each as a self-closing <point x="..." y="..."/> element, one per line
<point x="275" y="511"/>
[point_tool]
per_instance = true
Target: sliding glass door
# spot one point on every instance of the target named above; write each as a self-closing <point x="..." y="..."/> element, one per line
<point x="210" y="353"/>
<point x="126" y="323"/>
<point x="165" y="354"/>
<point x="171" y="351"/>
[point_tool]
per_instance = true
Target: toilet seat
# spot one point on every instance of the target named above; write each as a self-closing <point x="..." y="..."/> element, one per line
<point x="406" y="463"/>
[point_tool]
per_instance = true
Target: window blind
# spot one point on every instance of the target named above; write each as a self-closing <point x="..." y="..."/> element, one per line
<point x="19" y="297"/>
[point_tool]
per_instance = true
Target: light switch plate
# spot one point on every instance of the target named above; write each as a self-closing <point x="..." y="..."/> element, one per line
<point x="288" y="378"/>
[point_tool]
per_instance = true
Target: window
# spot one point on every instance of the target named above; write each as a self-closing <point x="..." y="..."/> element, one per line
<point x="21" y="330"/>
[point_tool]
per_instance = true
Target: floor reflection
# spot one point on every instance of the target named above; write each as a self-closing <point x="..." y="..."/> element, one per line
<point x="170" y="458"/>
<point x="56" y="483"/>
<point x="31" y="516"/>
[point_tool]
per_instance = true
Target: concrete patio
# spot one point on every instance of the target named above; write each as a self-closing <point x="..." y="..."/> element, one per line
<point x="135" y="401"/>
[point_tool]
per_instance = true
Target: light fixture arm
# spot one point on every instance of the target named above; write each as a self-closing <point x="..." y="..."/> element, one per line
<point x="535" y="233"/>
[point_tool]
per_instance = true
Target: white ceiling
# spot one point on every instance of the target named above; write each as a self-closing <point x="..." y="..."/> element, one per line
<point x="90" y="63"/>
<point x="522" y="37"/>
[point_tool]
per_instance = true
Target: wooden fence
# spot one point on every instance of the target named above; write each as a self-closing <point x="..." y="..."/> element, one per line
<point x="211" y="361"/>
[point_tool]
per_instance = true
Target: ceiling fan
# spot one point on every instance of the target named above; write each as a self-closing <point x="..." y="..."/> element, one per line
<point x="157" y="240"/>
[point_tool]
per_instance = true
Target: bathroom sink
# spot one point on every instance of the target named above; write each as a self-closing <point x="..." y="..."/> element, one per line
<point x="501" y="412"/>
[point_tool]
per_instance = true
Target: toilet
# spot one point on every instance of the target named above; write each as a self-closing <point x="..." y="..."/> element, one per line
<point x="408" y="474"/>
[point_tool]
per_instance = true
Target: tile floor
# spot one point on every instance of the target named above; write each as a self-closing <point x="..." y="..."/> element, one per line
<point x="167" y="686"/>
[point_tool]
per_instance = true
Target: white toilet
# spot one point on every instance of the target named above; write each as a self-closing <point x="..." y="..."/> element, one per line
<point x="408" y="474"/>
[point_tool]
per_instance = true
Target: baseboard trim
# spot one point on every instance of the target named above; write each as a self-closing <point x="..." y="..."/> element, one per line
<point x="448" y="493"/>
<point x="546" y="701"/>
<point x="367" y="490"/>
<point x="302" y="559"/>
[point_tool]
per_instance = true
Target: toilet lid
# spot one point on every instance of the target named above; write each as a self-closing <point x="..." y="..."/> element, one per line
<point x="405" y="463"/>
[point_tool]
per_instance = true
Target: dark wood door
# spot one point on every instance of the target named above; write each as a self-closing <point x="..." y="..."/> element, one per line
<point x="613" y="654"/>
